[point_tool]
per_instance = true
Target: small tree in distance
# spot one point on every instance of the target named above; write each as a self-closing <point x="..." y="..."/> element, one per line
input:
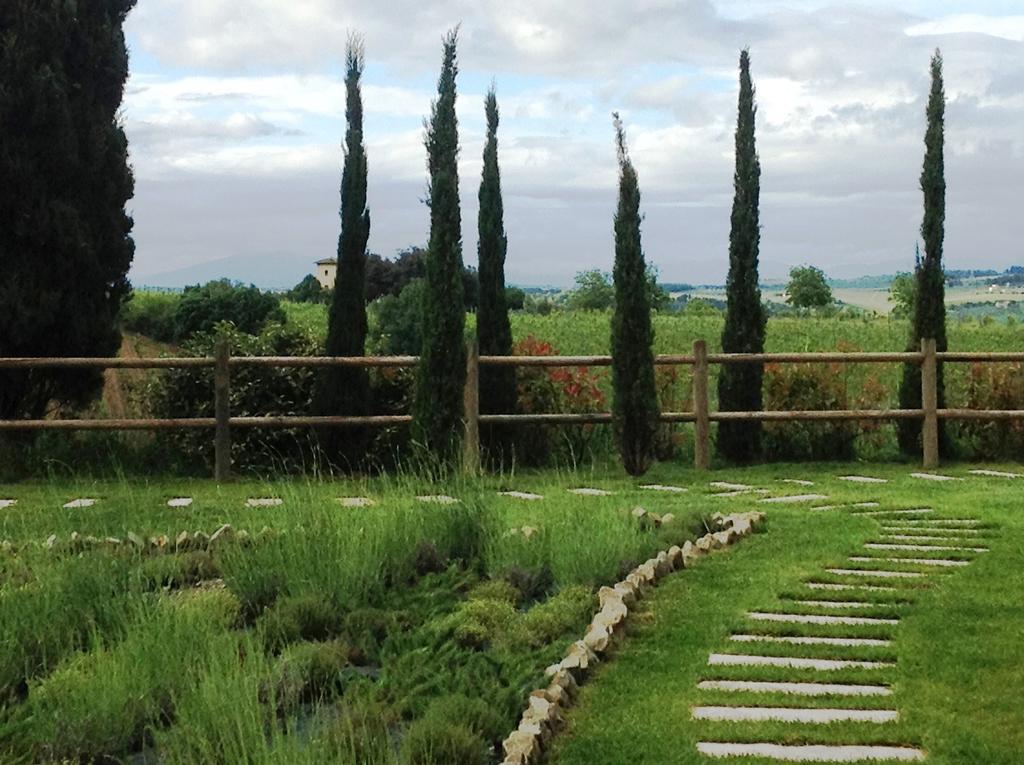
<point x="808" y="288"/>
<point x="635" y="399"/>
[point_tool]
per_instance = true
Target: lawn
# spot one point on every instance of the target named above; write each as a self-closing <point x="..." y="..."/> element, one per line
<point x="411" y="631"/>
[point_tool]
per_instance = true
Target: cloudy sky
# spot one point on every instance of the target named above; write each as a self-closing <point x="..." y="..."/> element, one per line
<point x="235" y="114"/>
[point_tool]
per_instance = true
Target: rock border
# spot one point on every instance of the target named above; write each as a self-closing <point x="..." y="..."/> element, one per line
<point x="183" y="542"/>
<point x="543" y="716"/>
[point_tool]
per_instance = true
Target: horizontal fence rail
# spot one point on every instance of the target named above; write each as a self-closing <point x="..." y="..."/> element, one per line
<point x="223" y="422"/>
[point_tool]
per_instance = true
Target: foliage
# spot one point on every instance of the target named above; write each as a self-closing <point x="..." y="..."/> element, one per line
<point x="201" y="308"/>
<point x="594" y="291"/>
<point x="635" y="401"/>
<point x="902" y="294"/>
<point x="796" y="387"/>
<point x="151" y="314"/>
<point x="994" y="386"/>
<point x="389" y="277"/>
<point x="298" y="617"/>
<point x="494" y="333"/>
<point x="438" y="406"/>
<point x="397" y="328"/>
<point x="739" y="385"/>
<point x="929" y="318"/>
<point x="309" y="290"/>
<point x="346" y="390"/>
<point x="515" y="298"/>
<point x="65" y="243"/>
<point x="808" y="288"/>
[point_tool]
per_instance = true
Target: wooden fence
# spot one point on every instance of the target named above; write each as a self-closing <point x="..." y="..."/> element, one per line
<point x="701" y="416"/>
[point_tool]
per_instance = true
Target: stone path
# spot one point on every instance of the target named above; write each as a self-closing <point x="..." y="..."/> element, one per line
<point x="827" y="653"/>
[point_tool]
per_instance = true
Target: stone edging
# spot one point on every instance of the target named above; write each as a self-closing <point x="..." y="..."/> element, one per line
<point x="183" y="542"/>
<point x="543" y="715"/>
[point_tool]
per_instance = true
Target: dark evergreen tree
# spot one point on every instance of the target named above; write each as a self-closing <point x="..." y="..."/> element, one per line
<point x="438" y="406"/>
<point x="497" y="384"/>
<point x="929" y="317"/>
<point x="346" y="390"/>
<point x="635" y="398"/>
<point x="65" y="244"/>
<point x="739" y="385"/>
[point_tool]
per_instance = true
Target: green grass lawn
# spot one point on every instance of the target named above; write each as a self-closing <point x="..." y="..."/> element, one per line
<point x="410" y="633"/>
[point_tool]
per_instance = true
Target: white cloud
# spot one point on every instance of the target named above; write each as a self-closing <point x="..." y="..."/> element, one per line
<point x="1006" y="27"/>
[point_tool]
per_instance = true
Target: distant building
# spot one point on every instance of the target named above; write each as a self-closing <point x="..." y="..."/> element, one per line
<point x="327" y="272"/>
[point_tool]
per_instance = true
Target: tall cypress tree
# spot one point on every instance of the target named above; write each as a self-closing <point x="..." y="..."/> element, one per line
<point x="497" y="383"/>
<point x="635" y="399"/>
<point x="346" y="390"/>
<point x="438" y="407"/>
<point x="930" y="301"/>
<point x="739" y="385"/>
<point x="65" y="243"/>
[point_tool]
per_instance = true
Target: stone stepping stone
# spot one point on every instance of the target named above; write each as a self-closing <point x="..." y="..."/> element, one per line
<point x="928" y="537"/>
<point x="525" y="495"/>
<point x="587" y="492"/>
<point x="730" y="486"/>
<point x="892" y="546"/>
<point x="802" y="640"/>
<point x="875" y="572"/>
<point x="795" y="498"/>
<point x="796" y="689"/>
<point x="926" y="522"/>
<point x="790" y="714"/>
<point x="179" y="502"/>
<point x="934" y="477"/>
<point x="797" y="481"/>
<point x="264" y="502"/>
<point x="661" y="487"/>
<point x="847" y="587"/>
<point x="841" y="603"/>
<point x="811" y="752"/>
<point x="438" y="499"/>
<point x="84" y="502"/>
<point x="862" y="479"/>
<point x="742" y="493"/>
<point x="356" y="502"/>
<point x="996" y="474"/>
<point x="6" y="503"/>
<point x="866" y="504"/>
<point x="920" y="561"/>
<point x="762" y="616"/>
<point x="827" y="507"/>
<point x="913" y="511"/>
<point x="792" y="662"/>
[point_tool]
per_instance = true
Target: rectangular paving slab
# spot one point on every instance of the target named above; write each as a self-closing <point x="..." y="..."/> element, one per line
<point x="793" y="715"/>
<point x="762" y="616"/>
<point x="918" y="561"/>
<point x="841" y="587"/>
<point x="812" y="752"/>
<point x="796" y="689"/>
<point x="876" y="572"/>
<point x="805" y="640"/>
<point x="894" y="546"/>
<point x="792" y="662"/>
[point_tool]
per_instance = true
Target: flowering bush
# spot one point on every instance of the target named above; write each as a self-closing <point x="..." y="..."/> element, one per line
<point x="994" y="386"/>
<point x="800" y="387"/>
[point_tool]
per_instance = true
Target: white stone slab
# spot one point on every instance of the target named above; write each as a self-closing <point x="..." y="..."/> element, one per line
<point x="817" y="619"/>
<point x="996" y="474"/>
<point x="890" y="546"/>
<point x="797" y="481"/>
<point x="804" y="640"/>
<point x="264" y="502"/>
<point x="796" y="689"/>
<point x="905" y="537"/>
<point x="84" y="502"/>
<point x="793" y="499"/>
<point x="587" y="492"/>
<point x="743" y="493"/>
<point x="180" y="502"/>
<point x="840" y="603"/>
<point x="438" y="499"/>
<point x="867" y="504"/>
<point x="920" y="561"/>
<point x="730" y="486"/>
<point x="356" y="502"/>
<point x="525" y="495"/>
<point x="841" y="587"/>
<point x="811" y="752"/>
<point x="862" y="479"/>
<point x="875" y="572"/>
<point x="664" y="488"/>
<point x="827" y="507"/>
<point x="790" y="714"/>
<point x="934" y="477"/>
<point x="912" y="511"/>
<point x="925" y="522"/>
<point x="6" y="503"/>
<point x="792" y="662"/>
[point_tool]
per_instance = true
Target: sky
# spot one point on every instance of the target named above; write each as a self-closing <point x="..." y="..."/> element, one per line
<point x="235" y="116"/>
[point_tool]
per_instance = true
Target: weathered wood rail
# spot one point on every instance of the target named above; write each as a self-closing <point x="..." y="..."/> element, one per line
<point x="700" y="360"/>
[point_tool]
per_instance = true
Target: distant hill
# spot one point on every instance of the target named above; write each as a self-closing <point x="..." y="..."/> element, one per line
<point x="265" y="271"/>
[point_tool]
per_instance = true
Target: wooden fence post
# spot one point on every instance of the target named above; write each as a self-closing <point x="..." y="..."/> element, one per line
<point x="222" y="409"/>
<point x="929" y="403"/>
<point x="702" y="423"/>
<point x="471" y="401"/>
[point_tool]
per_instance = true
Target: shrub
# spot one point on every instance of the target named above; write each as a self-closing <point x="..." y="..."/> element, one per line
<point x="360" y="733"/>
<point x="298" y="617"/>
<point x="994" y="386"/>
<point x="795" y="387"/>
<point x="201" y="308"/>
<point x="434" y="742"/>
<point x="395" y="322"/>
<point x="307" y="672"/>
<point x="151" y="314"/>
<point x="476" y="714"/>
<point x="478" y="623"/>
<point x="568" y="610"/>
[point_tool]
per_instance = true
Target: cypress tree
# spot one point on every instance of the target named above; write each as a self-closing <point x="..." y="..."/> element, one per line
<point x="438" y="406"/>
<point x="497" y="384"/>
<point x="635" y="399"/>
<point x="739" y="385"/>
<point x="929" y="319"/>
<point x="346" y="390"/>
<point x="65" y="243"/>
